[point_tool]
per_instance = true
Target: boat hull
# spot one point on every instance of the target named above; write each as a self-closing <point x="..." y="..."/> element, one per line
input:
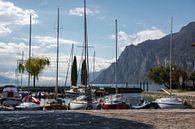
<point x="116" y="106"/>
<point x="29" y="109"/>
<point x="28" y="106"/>
<point x="170" y="106"/>
<point x="170" y="103"/>
<point x="82" y="105"/>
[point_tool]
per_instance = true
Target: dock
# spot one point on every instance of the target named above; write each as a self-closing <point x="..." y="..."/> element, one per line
<point x="50" y="89"/>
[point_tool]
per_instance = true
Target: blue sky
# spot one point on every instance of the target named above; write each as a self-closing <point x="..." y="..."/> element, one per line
<point x="138" y="20"/>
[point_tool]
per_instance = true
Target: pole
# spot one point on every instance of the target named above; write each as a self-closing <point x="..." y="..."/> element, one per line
<point x="22" y="65"/>
<point x="171" y="42"/>
<point x="86" y="44"/>
<point x="30" y="31"/>
<point x="116" y="39"/>
<point x="94" y="66"/>
<point x="58" y="31"/>
<point x="87" y="89"/>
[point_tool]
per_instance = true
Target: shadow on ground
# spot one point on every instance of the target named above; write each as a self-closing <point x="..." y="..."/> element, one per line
<point x="64" y="120"/>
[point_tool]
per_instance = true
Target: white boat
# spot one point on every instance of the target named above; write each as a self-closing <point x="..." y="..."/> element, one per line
<point x="81" y="103"/>
<point x="74" y="92"/>
<point x="28" y="106"/>
<point x="170" y="103"/>
<point x="116" y="101"/>
<point x="10" y="96"/>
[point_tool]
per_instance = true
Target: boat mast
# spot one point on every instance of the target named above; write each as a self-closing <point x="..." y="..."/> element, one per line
<point x="69" y="62"/>
<point x="22" y="72"/>
<point x="94" y="66"/>
<point x="116" y="39"/>
<point x="30" y="31"/>
<point x="58" y="31"/>
<point x="86" y="45"/>
<point x="87" y="86"/>
<point x="171" y="42"/>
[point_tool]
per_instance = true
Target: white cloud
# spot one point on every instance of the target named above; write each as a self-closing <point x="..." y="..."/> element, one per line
<point x="80" y="11"/>
<point x="136" y="38"/>
<point x="4" y="29"/>
<point x="11" y="52"/>
<point x="11" y="15"/>
<point x="51" y="41"/>
<point x="102" y="17"/>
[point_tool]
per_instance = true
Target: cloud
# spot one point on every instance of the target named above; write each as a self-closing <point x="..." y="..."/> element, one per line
<point x="11" y="15"/>
<point x="80" y="11"/>
<point x="12" y="49"/>
<point x="102" y="17"/>
<point x="51" y="41"/>
<point x="136" y="38"/>
<point x="11" y="52"/>
<point x="4" y="29"/>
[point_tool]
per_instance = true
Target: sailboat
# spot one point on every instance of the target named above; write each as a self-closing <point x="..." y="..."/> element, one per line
<point x="84" y="101"/>
<point x="170" y="103"/>
<point x="74" y="91"/>
<point x="116" y="101"/>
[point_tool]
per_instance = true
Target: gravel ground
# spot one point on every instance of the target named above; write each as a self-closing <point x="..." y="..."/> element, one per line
<point x="153" y="119"/>
<point x="98" y="119"/>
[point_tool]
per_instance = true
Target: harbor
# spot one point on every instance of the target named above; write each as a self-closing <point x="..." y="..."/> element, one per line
<point x="106" y="64"/>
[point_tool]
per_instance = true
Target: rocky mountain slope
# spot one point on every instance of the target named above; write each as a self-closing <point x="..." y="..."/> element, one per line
<point x="135" y="61"/>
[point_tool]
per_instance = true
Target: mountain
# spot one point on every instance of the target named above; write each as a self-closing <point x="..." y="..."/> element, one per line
<point x="135" y="61"/>
<point x="6" y="80"/>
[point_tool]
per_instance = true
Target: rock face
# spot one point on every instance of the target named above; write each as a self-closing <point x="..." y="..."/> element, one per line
<point x="135" y="61"/>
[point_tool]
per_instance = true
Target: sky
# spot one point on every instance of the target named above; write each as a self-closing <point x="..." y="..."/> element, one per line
<point x="138" y="20"/>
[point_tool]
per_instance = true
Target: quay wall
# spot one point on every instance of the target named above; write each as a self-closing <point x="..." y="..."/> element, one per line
<point x="61" y="89"/>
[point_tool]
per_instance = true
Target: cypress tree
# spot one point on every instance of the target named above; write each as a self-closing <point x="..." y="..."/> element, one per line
<point x="84" y="73"/>
<point x="74" y="72"/>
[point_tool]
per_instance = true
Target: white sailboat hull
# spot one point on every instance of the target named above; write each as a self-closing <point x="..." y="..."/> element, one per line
<point x="170" y="103"/>
<point x="170" y="106"/>
<point x="78" y="105"/>
<point x="82" y="105"/>
<point x="28" y="106"/>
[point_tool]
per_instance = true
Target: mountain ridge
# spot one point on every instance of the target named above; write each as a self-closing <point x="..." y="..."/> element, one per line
<point x="135" y="61"/>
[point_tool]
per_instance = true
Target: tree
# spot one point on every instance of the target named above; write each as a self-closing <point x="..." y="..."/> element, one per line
<point x="35" y="66"/>
<point x="21" y="67"/>
<point x="74" y="72"/>
<point x="84" y="73"/>
<point x="178" y="72"/>
<point x="192" y="76"/>
<point x="161" y="75"/>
